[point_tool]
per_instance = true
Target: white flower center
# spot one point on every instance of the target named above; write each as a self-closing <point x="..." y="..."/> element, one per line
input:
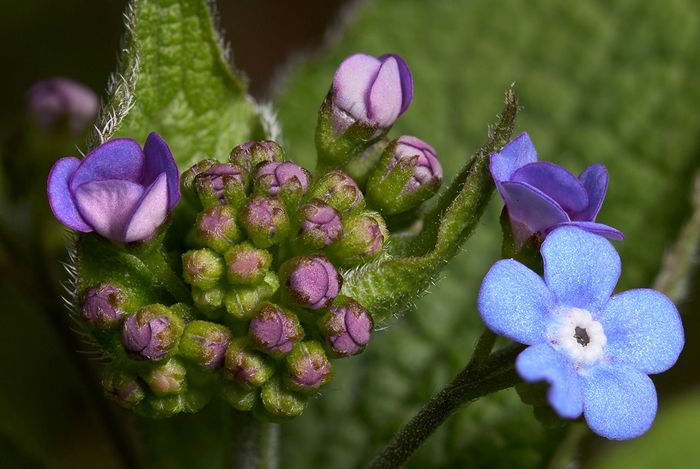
<point x="578" y="335"/>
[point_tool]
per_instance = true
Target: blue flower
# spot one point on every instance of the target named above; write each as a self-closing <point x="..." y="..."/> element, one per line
<point x="541" y="196"/>
<point x="594" y="349"/>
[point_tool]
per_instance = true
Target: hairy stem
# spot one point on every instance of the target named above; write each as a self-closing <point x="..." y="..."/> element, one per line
<point x="477" y="379"/>
<point x="256" y="443"/>
<point x="164" y="274"/>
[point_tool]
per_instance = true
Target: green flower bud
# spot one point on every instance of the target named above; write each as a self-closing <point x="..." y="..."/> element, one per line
<point x="247" y="367"/>
<point x="122" y="387"/>
<point x="222" y="184"/>
<point x="204" y="344"/>
<point x="363" y="239"/>
<point x="187" y="181"/>
<point x="308" y="367"/>
<point x="265" y="220"/>
<point x="239" y="397"/>
<point x="202" y="268"/>
<point x="216" y="228"/>
<point x="167" y="378"/>
<point x="243" y="301"/>
<point x="190" y="401"/>
<point x="338" y="190"/>
<point x="209" y="301"/>
<point x="246" y="265"/>
<point x="252" y="154"/>
<point x="280" y="402"/>
<point x="152" y="332"/>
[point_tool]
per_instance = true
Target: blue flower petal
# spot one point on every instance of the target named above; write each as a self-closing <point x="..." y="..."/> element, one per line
<point x="516" y="154"/>
<point x="532" y="210"/>
<point x="119" y="158"/>
<point x="514" y="302"/>
<point x="542" y="363"/>
<point x="619" y="402"/>
<point x="555" y="181"/>
<point x="60" y="196"/>
<point x="595" y="181"/>
<point x="159" y="160"/>
<point x="643" y="329"/>
<point x="580" y="268"/>
<point x="595" y="228"/>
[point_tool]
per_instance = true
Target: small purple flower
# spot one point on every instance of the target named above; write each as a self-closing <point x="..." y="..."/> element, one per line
<point x="265" y="220"/>
<point x="275" y="330"/>
<point x="308" y="367"/>
<point x="61" y="99"/>
<point x="320" y="224"/>
<point x="541" y="196"/>
<point x="102" y="305"/>
<point x="426" y="168"/>
<point x="118" y="190"/>
<point x="311" y="281"/>
<point x="212" y="183"/>
<point x="272" y="177"/>
<point x="374" y="91"/>
<point x="347" y="327"/>
<point x="594" y="349"/>
<point x="151" y="332"/>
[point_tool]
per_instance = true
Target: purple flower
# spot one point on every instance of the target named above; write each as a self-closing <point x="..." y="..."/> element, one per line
<point x="320" y="224"/>
<point x="213" y="183"/>
<point x="61" y="99"/>
<point x="311" y="281"/>
<point x="265" y="220"/>
<point x="426" y="167"/>
<point x="275" y="330"/>
<point x="308" y="367"/>
<point x="541" y="196"/>
<point x="102" y="305"/>
<point x="595" y="350"/>
<point x="374" y="91"/>
<point x="347" y="327"/>
<point x="118" y="190"/>
<point x="272" y="177"/>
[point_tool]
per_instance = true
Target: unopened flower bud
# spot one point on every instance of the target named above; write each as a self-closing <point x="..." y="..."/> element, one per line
<point x="62" y="101"/>
<point x="252" y="154"/>
<point x="338" y="190"/>
<point x="151" y="332"/>
<point x="346" y="327"/>
<point x="216" y="228"/>
<point x="167" y="378"/>
<point x="102" y="305"/>
<point x="407" y="175"/>
<point x="275" y="330"/>
<point x="248" y="367"/>
<point x="209" y="301"/>
<point x="320" y="225"/>
<point x="188" y="187"/>
<point x="308" y="367"/>
<point x="222" y="183"/>
<point x="265" y="220"/>
<point x="363" y="239"/>
<point x="122" y="387"/>
<point x="275" y="177"/>
<point x="202" y="268"/>
<point x="239" y="397"/>
<point x="204" y="344"/>
<point x="310" y="281"/>
<point x="246" y="265"/>
<point x="280" y="402"/>
<point x="242" y="301"/>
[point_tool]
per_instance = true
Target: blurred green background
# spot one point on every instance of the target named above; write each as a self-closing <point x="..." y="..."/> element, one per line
<point x="609" y="81"/>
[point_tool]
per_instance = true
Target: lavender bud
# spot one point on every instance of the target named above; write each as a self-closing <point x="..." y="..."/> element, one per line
<point x="167" y="378"/>
<point x="204" y="344"/>
<point x="216" y="228"/>
<point x="308" y="367"/>
<point x="62" y="101"/>
<point x="265" y="220"/>
<point x="310" y="281"/>
<point x="151" y="332"/>
<point x="274" y="178"/>
<point x="122" y="387"/>
<point x="220" y="184"/>
<point x="188" y="186"/>
<point x="246" y="265"/>
<point x="407" y="175"/>
<point x="363" y="239"/>
<point x="320" y="225"/>
<point x="280" y="402"/>
<point x="275" y="330"/>
<point x="102" y="305"/>
<point x="242" y="301"/>
<point x="338" y="190"/>
<point x="248" y="367"/>
<point x="238" y="396"/>
<point x="346" y="327"/>
<point x="202" y="268"/>
<point x="252" y="154"/>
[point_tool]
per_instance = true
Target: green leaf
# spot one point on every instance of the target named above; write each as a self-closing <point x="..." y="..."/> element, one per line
<point x="599" y="81"/>
<point x="175" y="79"/>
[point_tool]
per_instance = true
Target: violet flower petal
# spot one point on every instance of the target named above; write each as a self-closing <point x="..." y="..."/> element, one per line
<point x="580" y="268"/>
<point x="406" y="80"/>
<point x="120" y="158"/>
<point x="555" y="181"/>
<point x="595" y="181"/>
<point x="532" y="209"/>
<point x="592" y="227"/>
<point x="158" y="160"/>
<point x="516" y="154"/>
<point x="384" y="100"/>
<point x="351" y="81"/>
<point x="643" y="329"/>
<point x="149" y="212"/>
<point x="60" y="197"/>
<point x="107" y="205"/>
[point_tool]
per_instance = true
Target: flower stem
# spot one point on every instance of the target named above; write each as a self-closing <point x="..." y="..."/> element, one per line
<point x="256" y="443"/>
<point x="480" y="377"/>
